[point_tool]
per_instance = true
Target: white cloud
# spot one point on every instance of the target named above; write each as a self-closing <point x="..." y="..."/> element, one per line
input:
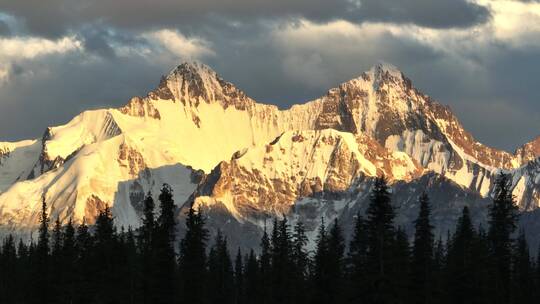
<point x="14" y="50"/>
<point x="515" y="22"/>
<point x="179" y="45"/>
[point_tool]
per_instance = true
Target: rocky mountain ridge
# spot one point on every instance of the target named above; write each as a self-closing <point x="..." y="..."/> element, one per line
<point x="247" y="161"/>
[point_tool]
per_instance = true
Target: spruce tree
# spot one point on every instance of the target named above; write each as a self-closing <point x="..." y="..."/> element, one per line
<point x="57" y="260"/>
<point x="335" y="270"/>
<point x="239" y="285"/>
<point x="380" y="227"/>
<point x="146" y="246"/>
<point x="281" y="264"/>
<point x="328" y="265"/>
<point x="220" y="287"/>
<point x="320" y="264"/>
<point x="104" y="257"/>
<point x="398" y="278"/>
<point x="85" y="270"/>
<point x="460" y="275"/>
<point x="57" y="240"/>
<point x="42" y="291"/>
<point x="24" y="271"/>
<point x="422" y="255"/>
<point x="130" y="268"/>
<point x="251" y="279"/>
<point x="439" y="263"/>
<point x="357" y="262"/>
<point x="8" y="271"/>
<point x="502" y="223"/>
<point x="265" y="271"/>
<point x="69" y="264"/>
<point x="380" y="240"/>
<point x="300" y="261"/>
<point x="523" y="275"/>
<point x="163" y="248"/>
<point x="192" y="260"/>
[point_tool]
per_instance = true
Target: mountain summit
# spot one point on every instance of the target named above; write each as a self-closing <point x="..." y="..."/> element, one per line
<point x="244" y="161"/>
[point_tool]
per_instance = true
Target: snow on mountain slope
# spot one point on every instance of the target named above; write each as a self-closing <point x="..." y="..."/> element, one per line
<point x="218" y="147"/>
<point x="16" y="160"/>
<point x="270" y="178"/>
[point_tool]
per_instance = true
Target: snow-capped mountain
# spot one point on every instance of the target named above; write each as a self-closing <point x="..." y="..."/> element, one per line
<point x="244" y="161"/>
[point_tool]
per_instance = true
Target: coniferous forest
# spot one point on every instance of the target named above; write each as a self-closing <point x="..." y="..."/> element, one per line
<point x="378" y="263"/>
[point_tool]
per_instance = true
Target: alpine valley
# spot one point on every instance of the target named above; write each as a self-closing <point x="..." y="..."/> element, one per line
<point x="245" y="162"/>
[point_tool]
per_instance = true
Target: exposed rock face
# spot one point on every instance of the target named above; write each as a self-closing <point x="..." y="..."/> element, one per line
<point x="244" y="161"/>
<point x="93" y="206"/>
<point x="131" y="159"/>
<point x="192" y="83"/>
<point x="272" y="177"/>
<point x="4" y="153"/>
<point x="528" y="152"/>
<point x="140" y="108"/>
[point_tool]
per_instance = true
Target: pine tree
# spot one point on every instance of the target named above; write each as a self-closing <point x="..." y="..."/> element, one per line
<point x="320" y="263"/>
<point x="239" y="285"/>
<point x="69" y="264"/>
<point x="335" y="271"/>
<point x="300" y="261"/>
<point x="380" y="227"/>
<point x="281" y="264"/>
<point x="328" y="268"/>
<point x="380" y="239"/>
<point x="24" y="272"/>
<point x="146" y="244"/>
<point x="502" y="223"/>
<point x="104" y="257"/>
<point x="57" y="260"/>
<point x="399" y="274"/>
<point x="251" y="279"/>
<point x="192" y="260"/>
<point x="422" y="255"/>
<point x="85" y="275"/>
<point x="42" y="291"/>
<point x="357" y="261"/>
<point x="522" y="271"/>
<point x="264" y="274"/>
<point x="220" y="287"/>
<point x="57" y="239"/>
<point x="439" y="264"/>
<point x="8" y="271"/>
<point x="147" y="229"/>
<point x="163" y="248"/>
<point x="460" y="274"/>
<point x="130" y="271"/>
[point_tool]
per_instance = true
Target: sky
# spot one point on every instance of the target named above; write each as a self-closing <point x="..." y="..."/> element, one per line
<point x="480" y="57"/>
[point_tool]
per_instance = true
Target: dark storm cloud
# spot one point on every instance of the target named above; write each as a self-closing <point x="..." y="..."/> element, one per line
<point x="4" y="29"/>
<point x="252" y="52"/>
<point x="428" y="13"/>
<point x="56" y="17"/>
<point x="498" y="103"/>
<point x="62" y="87"/>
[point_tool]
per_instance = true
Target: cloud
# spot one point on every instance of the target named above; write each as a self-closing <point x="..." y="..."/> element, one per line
<point x="15" y="49"/>
<point x="427" y="13"/>
<point x="178" y="45"/>
<point x="4" y="29"/>
<point x="59" y="17"/>
<point x="280" y="52"/>
<point x="48" y="81"/>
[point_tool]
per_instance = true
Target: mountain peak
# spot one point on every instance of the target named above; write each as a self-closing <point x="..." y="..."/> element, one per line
<point x="384" y="68"/>
<point x="193" y="67"/>
<point x="193" y="82"/>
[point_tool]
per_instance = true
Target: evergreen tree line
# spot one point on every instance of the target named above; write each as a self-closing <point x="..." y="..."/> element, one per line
<point x="379" y="264"/>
